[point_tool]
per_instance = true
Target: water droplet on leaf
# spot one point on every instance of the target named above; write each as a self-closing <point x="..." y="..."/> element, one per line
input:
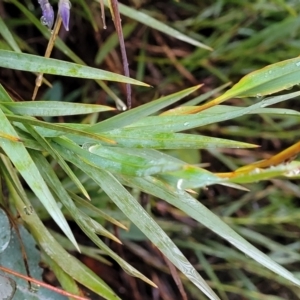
<point x="179" y="184"/>
<point x="28" y="210"/>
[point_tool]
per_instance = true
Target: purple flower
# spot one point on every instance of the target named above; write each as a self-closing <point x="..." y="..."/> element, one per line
<point x="48" y="13"/>
<point x="64" y="7"/>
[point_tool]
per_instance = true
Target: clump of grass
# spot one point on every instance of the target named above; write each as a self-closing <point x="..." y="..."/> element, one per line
<point x="194" y="160"/>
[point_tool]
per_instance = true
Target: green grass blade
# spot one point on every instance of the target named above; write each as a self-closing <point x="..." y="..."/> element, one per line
<point x="96" y="211"/>
<point x="132" y="209"/>
<point x="139" y="162"/>
<point x="88" y="14"/>
<point x="4" y="96"/>
<point x="135" y="212"/>
<point x="125" y="266"/>
<point x="53" y="108"/>
<point x="19" y="156"/>
<point x="140" y="112"/>
<point x="112" y="42"/>
<point x="199" y="212"/>
<point x="190" y="178"/>
<point x="77" y="270"/>
<point x="89" y="226"/>
<point x="48" y="148"/>
<point x="112" y="161"/>
<point x="210" y="116"/>
<point x="56" y="129"/>
<point x="90" y="251"/>
<point x="6" y="34"/>
<point x="268" y="80"/>
<point x="207" y="95"/>
<point x="164" y="140"/>
<point x="208" y="267"/>
<point x="54" y="183"/>
<point x="265" y="174"/>
<point x="276" y="111"/>
<point x="62" y="46"/>
<point x="34" y="63"/>
<point x="93" y="226"/>
<point x="66" y="281"/>
<point x="155" y="24"/>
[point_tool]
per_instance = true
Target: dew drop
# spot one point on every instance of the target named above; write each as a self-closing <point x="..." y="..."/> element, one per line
<point x="91" y="148"/>
<point x="121" y="106"/>
<point x="179" y="184"/>
<point x="34" y="288"/>
<point x="28" y="210"/>
<point x="258" y="95"/>
<point x="298" y="64"/>
<point x="86" y="145"/>
<point x="256" y="171"/>
<point x="44" y="21"/>
<point x="186" y="124"/>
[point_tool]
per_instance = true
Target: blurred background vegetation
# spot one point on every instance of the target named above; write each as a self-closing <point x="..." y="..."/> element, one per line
<point x="244" y="36"/>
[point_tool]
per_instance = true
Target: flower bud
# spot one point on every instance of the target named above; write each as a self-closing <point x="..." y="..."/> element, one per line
<point x="64" y="7"/>
<point x="48" y="13"/>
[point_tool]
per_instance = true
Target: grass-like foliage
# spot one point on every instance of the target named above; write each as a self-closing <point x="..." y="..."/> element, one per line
<point x="88" y="174"/>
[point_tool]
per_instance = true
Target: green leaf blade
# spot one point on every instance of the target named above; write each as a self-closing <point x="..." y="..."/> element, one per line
<point x="268" y="80"/>
<point x="19" y="156"/>
<point x="53" y="108"/>
<point x="200" y="213"/>
<point x="140" y="112"/>
<point x="155" y="24"/>
<point x="34" y="63"/>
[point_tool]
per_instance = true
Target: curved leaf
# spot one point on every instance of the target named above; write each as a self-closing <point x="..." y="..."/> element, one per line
<point x="268" y="80"/>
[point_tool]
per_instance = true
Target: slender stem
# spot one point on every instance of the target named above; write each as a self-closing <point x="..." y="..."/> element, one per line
<point x="102" y="13"/>
<point x="42" y="284"/>
<point x="39" y="78"/>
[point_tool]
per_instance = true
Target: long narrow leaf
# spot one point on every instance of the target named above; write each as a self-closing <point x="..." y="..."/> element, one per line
<point x="53" y="108"/>
<point x="164" y="140"/>
<point x="6" y="34"/>
<point x="18" y="154"/>
<point x="68" y="263"/>
<point x="132" y="209"/>
<point x="199" y="212"/>
<point x="89" y="226"/>
<point x="34" y="63"/>
<point x="140" y="112"/>
<point x="209" y="116"/>
<point x="4" y="97"/>
<point x="149" y="21"/>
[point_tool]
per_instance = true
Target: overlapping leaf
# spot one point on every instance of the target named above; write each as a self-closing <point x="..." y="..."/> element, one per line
<point x="34" y="63"/>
